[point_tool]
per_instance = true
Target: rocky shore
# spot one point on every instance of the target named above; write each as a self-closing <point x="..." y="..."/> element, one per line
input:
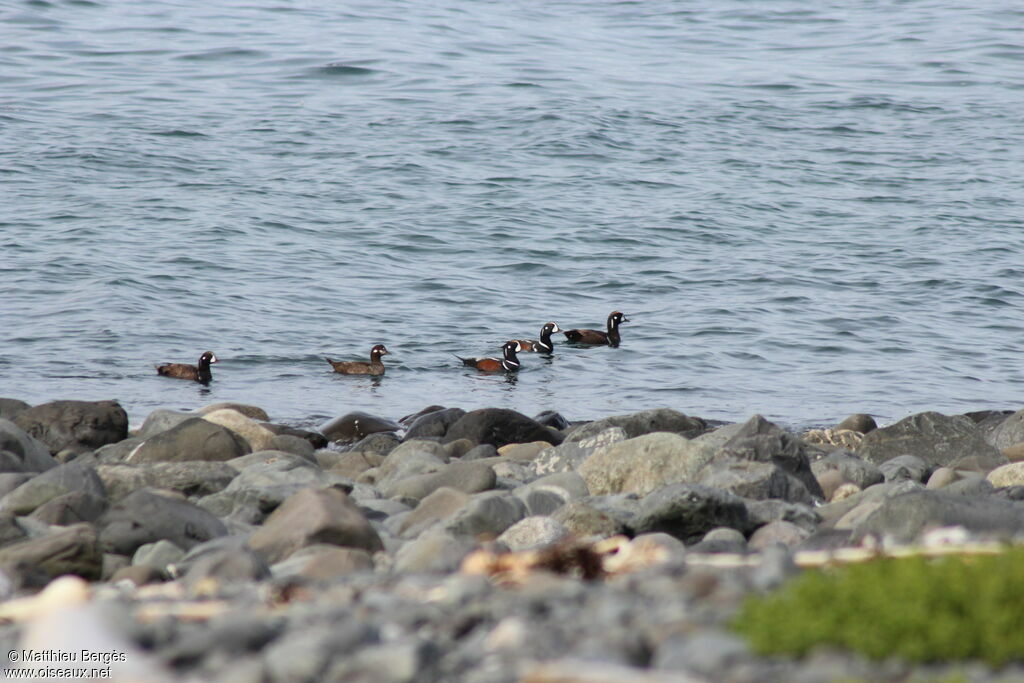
<point x="481" y="546"/>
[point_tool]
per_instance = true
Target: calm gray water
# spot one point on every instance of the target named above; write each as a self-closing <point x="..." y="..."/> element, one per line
<point x="806" y="209"/>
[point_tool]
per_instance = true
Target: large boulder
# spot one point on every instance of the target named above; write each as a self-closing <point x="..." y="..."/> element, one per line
<point x="9" y="407"/>
<point x="904" y="518"/>
<point x="487" y="515"/>
<point x="20" y="452"/>
<point x="193" y="439"/>
<point x="354" y="426"/>
<point x="314" y="516"/>
<point x="688" y="511"/>
<point x="756" y="480"/>
<point x="569" y="455"/>
<point x="147" y="516"/>
<point x="1008" y="432"/>
<point x="258" y="437"/>
<point x="498" y="427"/>
<point x="73" y="550"/>
<point x="190" y="478"/>
<point x="644" y="422"/>
<point x="68" y="478"/>
<point x="77" y="426"/>
<point x="468" y="477"/>
<point x="939" y="440"/>
<point x="643" y="464"/>
<point x="434" y="423"/>
<point x="761" y="441"/>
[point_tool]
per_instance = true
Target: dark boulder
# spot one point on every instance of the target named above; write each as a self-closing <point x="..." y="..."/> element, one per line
<point x="76" y="426"/>
<point x="193" y="439"/>
<point x="73" y="550"/>
<point x="499" y="427"/>
<point x="146" y="516"/>
<point x="904" y="518"/>
<point x="688" y="511"/>
<point x="939" y="440"/>
<point x="761" y="441"/>
<point x="353" y="426"/>
<point x="434" y="424"/>
<point x="20" y="452"/>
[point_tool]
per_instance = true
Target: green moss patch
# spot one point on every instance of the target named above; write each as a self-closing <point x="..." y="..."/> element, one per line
<point x="953" y="608"/>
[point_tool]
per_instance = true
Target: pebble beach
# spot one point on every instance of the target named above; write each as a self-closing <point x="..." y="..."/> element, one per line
<point x="220" y="545"/>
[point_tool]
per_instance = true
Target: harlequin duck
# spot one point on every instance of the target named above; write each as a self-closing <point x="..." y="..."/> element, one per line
<point x="197" y="373"/>
<point x="611" y="337"/>
<point x="356" y="367"/>
<point x="508" y="362"/>
<point x="544" y="344"/>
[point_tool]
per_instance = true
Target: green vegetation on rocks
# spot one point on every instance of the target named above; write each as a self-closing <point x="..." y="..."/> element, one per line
<point x="963" y="607"/>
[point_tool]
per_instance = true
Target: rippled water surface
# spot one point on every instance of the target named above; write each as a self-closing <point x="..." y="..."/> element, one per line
<point x="806" y="209"/>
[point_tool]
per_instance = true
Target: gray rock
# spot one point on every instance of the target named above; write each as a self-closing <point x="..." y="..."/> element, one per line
<point x="380" y="443"/>
<point x="140" y="575"/>
<point x="688" y="511"/>
<point x="76" y="426"/>
<point x="146" y="516"/>
<point x="159" y="554"/>
<point x="193" y="439"/>
<point x="353" y="426"/>
<point x="904" y="518"/>
<point x="12" y="480"/>
<point x="970" y="485"/>
<point x="227" y="566"/>
<point x="859" y="422"/>
<point x="314" y="516"/>
<point x="583" y="519"/>
<point x="937" y="439"/>
<point x="323" y="563"/>
<point x="190" y="478"/>
<point x="434" y="424"/>
<point x="721" y="540"/>
<point x="479" y="452"/>
<point x="487" y="514"/>
<point x="533" y="532"/>
<point x="115" y="453"/>
<point x="71" y="508"/>
<point x="250" y="411"/>
<point x="406" y="661"/>
<point x="433" y="552"/>
<point x="757" y="480"/>
<point x="10" y="531"/>
<point x="72" y="477"/>
<point x="834" y="511"/>
<point x="569" y="485"/>
<point x="1009" y="430"/>
<point x="853" y="469"/>
<point x="568" y="456"/>
<point x="73" y="550"/>
<point x="706" y="653"/>
<point x="20" y="452"/>
<point x="905" y="467"/>
<point x="350" y="464"/>
<point x="302" y="655"/>
<point x="160" y="420"/>
<point x="413" y="457"/>
<point x="643" y="464"/>
<point x="9" y="407"/>
<point x="294" y="445"/>
<point x="778" y="532"/>
<point x="766" y="511"/>
<point x="469" y="477"/>
<point x="761" y="441"/>
<point x="498" y="427"/>
<point x="541" y="501"/>
<point x="438" y="506"/>
<point x="315" y="439"/>
<point x="638" y="424"/>
<point x="461" y="447"/>
<point x="551" y="418"/>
